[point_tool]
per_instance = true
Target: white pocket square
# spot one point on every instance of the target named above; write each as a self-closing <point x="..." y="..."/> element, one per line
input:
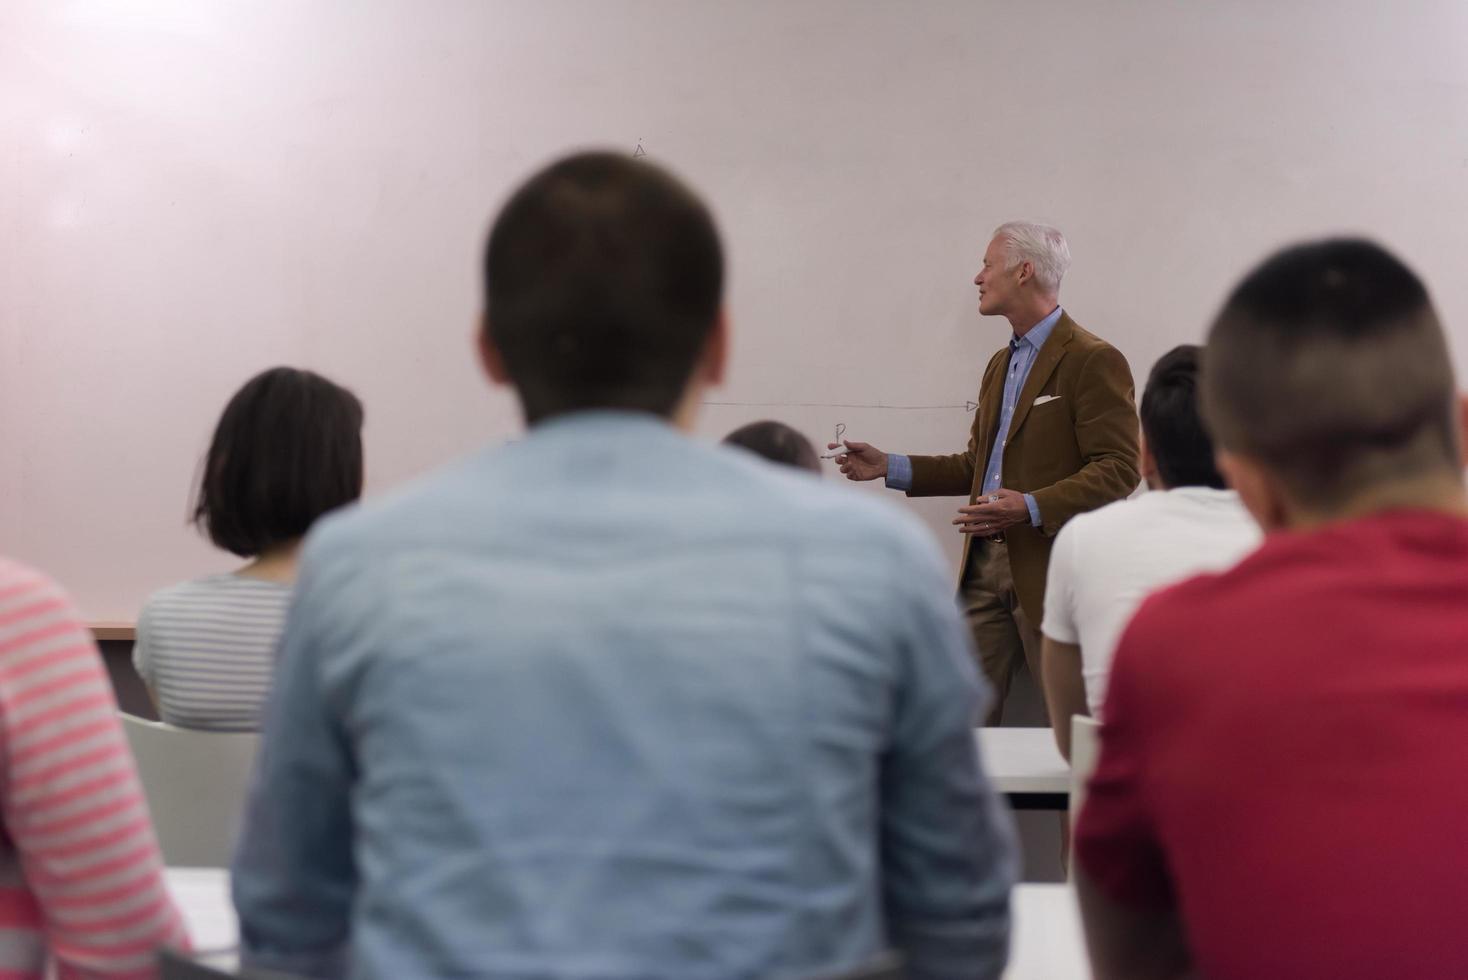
<point x="1046" y="398"/>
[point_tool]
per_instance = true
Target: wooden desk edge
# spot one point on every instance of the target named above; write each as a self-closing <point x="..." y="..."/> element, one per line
<point x="113" y="631"/>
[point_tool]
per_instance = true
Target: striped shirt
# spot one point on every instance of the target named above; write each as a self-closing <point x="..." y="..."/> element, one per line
<point x="206" y="649"/>
<point x="80" y="874"/>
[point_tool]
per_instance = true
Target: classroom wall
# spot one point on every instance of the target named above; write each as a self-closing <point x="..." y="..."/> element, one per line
<point x="195" y="191"/>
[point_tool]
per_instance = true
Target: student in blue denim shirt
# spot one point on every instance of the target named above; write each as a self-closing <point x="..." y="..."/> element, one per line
<point x="610" y="703"/>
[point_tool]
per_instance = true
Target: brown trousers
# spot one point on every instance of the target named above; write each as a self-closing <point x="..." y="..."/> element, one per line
<point x="1003" y="636"/>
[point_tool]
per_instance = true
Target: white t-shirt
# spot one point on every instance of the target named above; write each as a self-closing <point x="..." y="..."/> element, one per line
<point x="1106" y="562"/>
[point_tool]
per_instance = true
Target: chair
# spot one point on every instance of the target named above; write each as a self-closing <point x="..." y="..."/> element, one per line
<point x="1085" y="749"/>
<point x="887" y="966"/>
<point x="195" y="783"/>
<point x="181" y="966"/>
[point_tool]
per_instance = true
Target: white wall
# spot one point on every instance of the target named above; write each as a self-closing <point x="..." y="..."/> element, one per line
<point x="191" y="191"/>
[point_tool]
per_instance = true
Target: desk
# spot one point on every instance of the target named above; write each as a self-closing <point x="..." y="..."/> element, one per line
<point x="119" y="631"/>
<point x="202" y="896"/>
<point x="1046" y="943"/>
<point x="1025" y="765"/>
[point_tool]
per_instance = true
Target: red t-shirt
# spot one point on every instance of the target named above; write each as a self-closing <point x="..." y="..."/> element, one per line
<point x="1285" y="757"/>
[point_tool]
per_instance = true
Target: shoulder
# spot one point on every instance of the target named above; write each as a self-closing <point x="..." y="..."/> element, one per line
<point x="402" y="515"/>
<point x="22" y="587"/>
<point x="208" y="590"/>
<point x="181" y="593"/>
<point x="32" y="606"/>
<point x="1090" y="350"/>
<point x="1099" y="533"/>
<point x="1119" y="516"/>
<point x="1080" y="338"/>
<point x="202" y="604"/>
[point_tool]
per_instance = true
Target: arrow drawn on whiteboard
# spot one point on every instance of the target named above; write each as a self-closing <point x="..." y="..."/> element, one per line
<point x="966" y="406"/>
<point x="639" y="152"/>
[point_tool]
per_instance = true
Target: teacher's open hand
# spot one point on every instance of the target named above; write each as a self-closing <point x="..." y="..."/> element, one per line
<point x="993" y="512"/>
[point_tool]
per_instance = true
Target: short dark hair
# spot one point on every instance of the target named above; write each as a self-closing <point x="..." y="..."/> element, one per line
<point x="1329" y="366"/>
<point x="1173" y="424"/>
<point x="603" y="278"/>
<point x="776" y="442"/>
<point x="287" y="449"/>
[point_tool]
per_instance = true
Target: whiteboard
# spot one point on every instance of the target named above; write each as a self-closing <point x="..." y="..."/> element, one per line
<point x="198" y="189"/>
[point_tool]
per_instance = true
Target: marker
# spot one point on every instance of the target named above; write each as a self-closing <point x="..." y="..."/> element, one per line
<point x="840" y="438"/>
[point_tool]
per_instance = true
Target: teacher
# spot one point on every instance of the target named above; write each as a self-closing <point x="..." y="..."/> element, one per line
<point x="1056" y="432"/>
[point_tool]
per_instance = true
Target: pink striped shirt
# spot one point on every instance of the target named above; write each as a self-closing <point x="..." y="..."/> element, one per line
<point x="81" y="880"/>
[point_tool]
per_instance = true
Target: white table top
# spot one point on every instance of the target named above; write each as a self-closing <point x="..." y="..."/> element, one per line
<point x="1023" y="760"/>
<point x="202" y="896"/>
<point x="1046" y="941"/>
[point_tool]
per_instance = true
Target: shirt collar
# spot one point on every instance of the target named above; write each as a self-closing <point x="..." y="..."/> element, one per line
<point x="1040" y="332"/>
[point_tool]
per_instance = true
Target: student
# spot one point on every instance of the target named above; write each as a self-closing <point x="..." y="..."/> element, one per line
<point x="776" y="442"/>
<point x="81" y="880"/>
<point x="1106" y="562"/>
<point x="287" y="450"/>
<point x="1279" y="792"/>
<point x="608" y="702"/>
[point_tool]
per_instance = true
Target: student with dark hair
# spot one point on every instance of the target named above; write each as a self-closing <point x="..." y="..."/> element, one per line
<point x="1106" y="562"/>
<point x="776" y="442"/>
<point x="287" y="450"/>
<point x="609" y="702"/>
<point x="1279" y="790"/>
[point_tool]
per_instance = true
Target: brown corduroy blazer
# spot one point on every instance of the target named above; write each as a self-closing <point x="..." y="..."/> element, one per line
<point x="1075" y="452"/>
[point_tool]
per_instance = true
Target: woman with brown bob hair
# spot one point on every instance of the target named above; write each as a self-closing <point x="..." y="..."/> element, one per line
<point x="287" y="449"/>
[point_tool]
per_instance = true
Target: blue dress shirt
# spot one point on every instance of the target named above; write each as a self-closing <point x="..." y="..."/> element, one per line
<point x="609" y="703"/>
<point x="1022" y="353"/>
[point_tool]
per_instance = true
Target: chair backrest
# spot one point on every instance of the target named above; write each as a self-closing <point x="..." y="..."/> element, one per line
<point x="196" y="784"/>
<point x="884" y="966"/>
<point x="182" y="966"/>
<point x="1085" y="748"/>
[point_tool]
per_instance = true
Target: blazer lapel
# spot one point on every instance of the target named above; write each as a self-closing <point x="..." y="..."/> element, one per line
<point x="1046" y="361"/>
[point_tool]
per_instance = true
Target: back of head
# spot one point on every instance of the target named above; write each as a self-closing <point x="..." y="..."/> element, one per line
<point x="287" y="449"/>
<point x="1328" y="366"/>
<point x="603" y="282"/>
<point x="1173" y="422"/>
<point x="778" y="443"/>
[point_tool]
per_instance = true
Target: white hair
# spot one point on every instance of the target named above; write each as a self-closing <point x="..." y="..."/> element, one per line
<point x="1041" y="246"/>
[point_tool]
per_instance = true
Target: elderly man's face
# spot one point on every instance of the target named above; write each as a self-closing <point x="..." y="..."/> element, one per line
<point x="997" y="285"/>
